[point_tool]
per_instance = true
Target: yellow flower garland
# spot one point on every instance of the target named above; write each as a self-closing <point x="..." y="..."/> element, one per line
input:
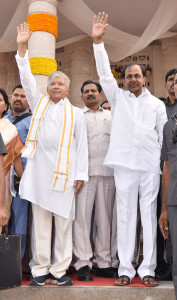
<point x="43" y="22"/>
<point x="42" y="65"/>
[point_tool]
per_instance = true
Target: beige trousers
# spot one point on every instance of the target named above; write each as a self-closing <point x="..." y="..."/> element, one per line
<point x="42" y="241"/>
<point x="101" y="190"/>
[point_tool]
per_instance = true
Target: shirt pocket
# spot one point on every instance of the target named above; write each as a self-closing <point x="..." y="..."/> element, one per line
<point x="106" y="126"/>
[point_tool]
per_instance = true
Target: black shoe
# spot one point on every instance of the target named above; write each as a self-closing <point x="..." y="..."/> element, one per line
<point x="84" y="274"/>
<point x="39" y="280"/>
<point x="71" y="271"/>
<point x="162" y="267"/>
<point x="166" y="275"/>
<point x="105" y="272"/>
<point x="93" y="270"/>
<point x="115" y="271"/>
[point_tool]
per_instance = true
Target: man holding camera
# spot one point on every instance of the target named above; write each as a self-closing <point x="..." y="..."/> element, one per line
<point x="169" y="186"/>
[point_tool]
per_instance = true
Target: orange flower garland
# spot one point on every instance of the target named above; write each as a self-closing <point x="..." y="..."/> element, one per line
<point x="43" y="22"/>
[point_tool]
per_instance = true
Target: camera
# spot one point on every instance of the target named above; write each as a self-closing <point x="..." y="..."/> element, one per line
<point x="174" y="135"/>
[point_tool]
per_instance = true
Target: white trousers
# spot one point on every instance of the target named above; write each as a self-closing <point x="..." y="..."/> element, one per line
<point x="101" y="190"/>
<point x="42" y="241"/>
<point x="130" y="184"/>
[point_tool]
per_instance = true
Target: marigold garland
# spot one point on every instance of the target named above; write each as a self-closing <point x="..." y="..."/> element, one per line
<point x="42" y="65"/>
<point x="43" y="22"/>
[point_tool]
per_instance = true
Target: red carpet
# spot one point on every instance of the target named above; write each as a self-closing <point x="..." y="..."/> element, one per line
<point x="97" y="281"/>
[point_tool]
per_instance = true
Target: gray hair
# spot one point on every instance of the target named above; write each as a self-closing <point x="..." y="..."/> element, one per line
<point x="59" y="74"/>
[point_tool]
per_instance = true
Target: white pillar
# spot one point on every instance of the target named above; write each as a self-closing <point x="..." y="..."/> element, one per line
<point x="81" y="69"/>
<point x="169" y="55"/>
<point x="42" y="43"/>
<point x="158" y="72"/>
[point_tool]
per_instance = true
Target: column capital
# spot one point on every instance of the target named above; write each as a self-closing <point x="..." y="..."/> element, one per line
<point x="53" y="2"/>
<point x="169" y="46"/>
<point x="80" y="49"/>
<point x="170" y="50"/>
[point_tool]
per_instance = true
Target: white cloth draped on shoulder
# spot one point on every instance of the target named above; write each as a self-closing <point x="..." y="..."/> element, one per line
<point x="62" y="163"/>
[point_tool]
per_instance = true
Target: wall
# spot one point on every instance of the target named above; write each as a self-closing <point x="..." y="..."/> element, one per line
<point x="77" y="61"/>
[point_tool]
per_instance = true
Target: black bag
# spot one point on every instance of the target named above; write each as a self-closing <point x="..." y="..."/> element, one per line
<point x="10" y="260"/>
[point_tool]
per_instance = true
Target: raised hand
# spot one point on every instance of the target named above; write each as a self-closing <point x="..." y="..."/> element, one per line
<point x="23" y="33"/>
<point x="99" y="27"/>
<point x="23" y="36"/>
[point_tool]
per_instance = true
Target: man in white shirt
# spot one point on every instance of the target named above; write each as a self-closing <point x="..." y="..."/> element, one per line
<point x="134" y="153"/>
<point x="99" y="190"/>
<point x="57" y="166"/>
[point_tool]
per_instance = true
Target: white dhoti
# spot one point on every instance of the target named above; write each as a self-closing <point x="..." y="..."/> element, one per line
<point x="130" y="184"/>
<point x="42" y="237"/>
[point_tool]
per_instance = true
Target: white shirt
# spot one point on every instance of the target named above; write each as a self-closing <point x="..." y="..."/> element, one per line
<point x="137" y="125"/>
<point x="36" y="182"/>
<point x="98" y="134"/>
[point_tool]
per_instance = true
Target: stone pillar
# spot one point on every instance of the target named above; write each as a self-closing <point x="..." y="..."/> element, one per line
<point x="169" y="54"/>
<point x="42" y="43"/>
<point x="158" y="72"/>
<point x="81" y="69"/>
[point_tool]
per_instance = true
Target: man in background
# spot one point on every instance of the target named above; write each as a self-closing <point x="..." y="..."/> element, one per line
<point x="99" y="190"/>
<point x="20" y="116"/>
<point x="3" y="213"/>
<point x="169" y="187"/>
<point x="165" y="260"/>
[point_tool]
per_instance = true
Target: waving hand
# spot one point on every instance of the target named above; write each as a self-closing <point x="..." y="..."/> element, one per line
<point x="99" y="27"/>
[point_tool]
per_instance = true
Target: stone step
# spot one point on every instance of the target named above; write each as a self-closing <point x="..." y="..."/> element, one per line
<point x="165" y="291"/>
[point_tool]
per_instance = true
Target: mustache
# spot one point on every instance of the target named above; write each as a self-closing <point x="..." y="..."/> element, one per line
<point x="90" y="97"/>
<point x="17" y="101"/>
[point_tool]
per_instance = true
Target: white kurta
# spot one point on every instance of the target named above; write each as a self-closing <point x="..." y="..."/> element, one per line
<point x="36" y="182"/>
<point x="137" y="125"/>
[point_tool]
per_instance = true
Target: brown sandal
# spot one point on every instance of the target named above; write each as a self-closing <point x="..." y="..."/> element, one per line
<point x="148" y="282"/>
<point x="125" y="280"/>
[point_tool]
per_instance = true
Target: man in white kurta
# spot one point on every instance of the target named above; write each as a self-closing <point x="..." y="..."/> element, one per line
<point x="134" y="153"/>
<point x="38" y="185"/>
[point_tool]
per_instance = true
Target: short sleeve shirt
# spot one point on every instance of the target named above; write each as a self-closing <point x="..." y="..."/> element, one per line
<point x="3" y="150"/>
<point x="169" y="153"/>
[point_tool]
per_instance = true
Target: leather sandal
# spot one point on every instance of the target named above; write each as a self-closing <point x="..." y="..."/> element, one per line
<point x="148" y="282"/>
<point x="125" y="280"/>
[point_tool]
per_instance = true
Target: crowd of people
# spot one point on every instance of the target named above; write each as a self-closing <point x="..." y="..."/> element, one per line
<point x="88" y="173"/>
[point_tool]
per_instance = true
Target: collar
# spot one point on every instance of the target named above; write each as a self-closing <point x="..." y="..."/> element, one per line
<point x="9" y="114"/>
<point x="145" y="92"/>
<point x="86" y="109"/>
<point x="167" y="102"/>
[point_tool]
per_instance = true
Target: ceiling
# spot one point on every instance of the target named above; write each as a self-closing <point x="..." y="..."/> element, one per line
<point x="129" y="16"/>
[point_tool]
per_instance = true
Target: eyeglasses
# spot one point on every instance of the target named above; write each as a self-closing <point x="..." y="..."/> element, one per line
<point x="57" y="83"/>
